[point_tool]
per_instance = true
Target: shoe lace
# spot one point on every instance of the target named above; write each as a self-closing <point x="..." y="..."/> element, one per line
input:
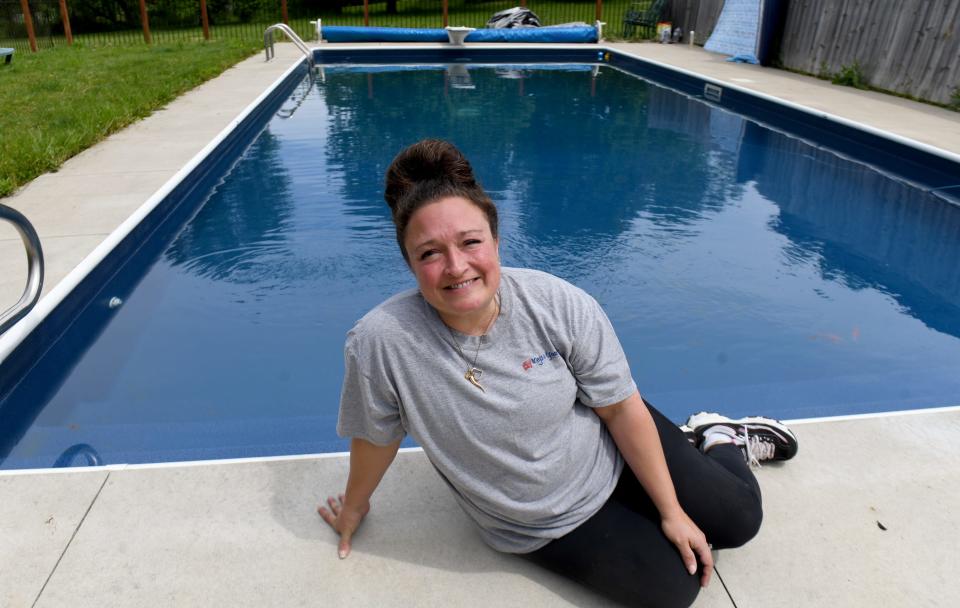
<point x="757" y="448"/>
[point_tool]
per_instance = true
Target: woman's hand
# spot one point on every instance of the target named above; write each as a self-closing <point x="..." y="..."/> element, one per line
<point x="691" y="543"/>
<point x="343" y="519"/>
<point x="635" y="433"/>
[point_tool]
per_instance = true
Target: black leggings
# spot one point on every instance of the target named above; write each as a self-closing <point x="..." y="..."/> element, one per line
<point x="621" y="551"/>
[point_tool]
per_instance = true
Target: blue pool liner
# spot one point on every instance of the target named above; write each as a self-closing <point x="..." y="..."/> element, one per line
<point x="343" y="33"/>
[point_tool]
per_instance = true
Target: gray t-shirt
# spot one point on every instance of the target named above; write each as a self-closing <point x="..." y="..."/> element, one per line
<point x="526" y="459"/>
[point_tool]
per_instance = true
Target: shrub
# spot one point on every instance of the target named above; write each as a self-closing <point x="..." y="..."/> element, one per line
<point x="851" y="76"/>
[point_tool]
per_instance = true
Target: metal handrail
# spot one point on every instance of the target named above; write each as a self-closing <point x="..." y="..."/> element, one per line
<point x="283" y="27"/>
<point x="31" y="292"/>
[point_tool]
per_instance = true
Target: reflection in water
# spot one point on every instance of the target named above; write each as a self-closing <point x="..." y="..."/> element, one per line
<point x="864" y="228"/>
<point x="240" y="235"/>
<point x="298" y="96"/>
<point x="611" y="157"/>
<point x="78" y="452"/>
<point x="458" y="77"/>
<point x="744" y="270"/>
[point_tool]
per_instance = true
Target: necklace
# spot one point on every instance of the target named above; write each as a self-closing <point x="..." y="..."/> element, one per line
<point x="473" y="372"/>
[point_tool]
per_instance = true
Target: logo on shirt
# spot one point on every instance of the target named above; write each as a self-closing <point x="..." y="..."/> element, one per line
<point x="539" y="359"/>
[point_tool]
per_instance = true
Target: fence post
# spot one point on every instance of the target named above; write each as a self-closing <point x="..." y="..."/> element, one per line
<point x="65" y="18"/>
<point x="446" y="12"/>
<point x="28" y="21"/>
<point x="283" y="12"/>
<point x="145" y="21"/>
<point x="204" y="20"/>
<point x="366" y="13"/>
<point x="599" y="10"/>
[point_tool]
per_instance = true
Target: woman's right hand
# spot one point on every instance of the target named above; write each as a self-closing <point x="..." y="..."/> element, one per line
<point x="343" y="519"/>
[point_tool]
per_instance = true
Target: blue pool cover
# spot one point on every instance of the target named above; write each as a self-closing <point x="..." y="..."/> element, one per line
<point x="341" y="33"/>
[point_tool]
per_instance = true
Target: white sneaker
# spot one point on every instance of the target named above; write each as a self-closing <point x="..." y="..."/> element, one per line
<point x="760" y="438"/>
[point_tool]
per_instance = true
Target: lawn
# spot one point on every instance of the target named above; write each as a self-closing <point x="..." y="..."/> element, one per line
<point x="62" y="100"/>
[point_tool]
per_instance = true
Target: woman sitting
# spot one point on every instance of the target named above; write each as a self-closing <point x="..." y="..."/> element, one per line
<point x="515" y="385"/>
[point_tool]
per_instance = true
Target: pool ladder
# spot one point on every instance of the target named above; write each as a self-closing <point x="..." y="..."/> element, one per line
<point x="34" y="268"/>
<point x="292" y="35"/>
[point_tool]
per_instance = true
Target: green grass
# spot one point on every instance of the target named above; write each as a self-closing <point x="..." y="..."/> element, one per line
<point x="851" y="76"/>
<point x="62" y="100"/>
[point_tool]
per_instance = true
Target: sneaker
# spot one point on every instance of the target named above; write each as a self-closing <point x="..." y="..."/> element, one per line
<point x="760" y="438"/>
<point x="689" y="434"/>
<point x="718" y="435"/>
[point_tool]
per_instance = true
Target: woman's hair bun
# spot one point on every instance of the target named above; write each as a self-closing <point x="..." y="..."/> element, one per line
<point x="434" y="163"/>
<point x="429" y="171"/>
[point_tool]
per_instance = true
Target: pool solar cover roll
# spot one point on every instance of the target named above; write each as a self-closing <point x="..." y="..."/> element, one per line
<point x="341" y="33"/>
<point x="577" y="33"/>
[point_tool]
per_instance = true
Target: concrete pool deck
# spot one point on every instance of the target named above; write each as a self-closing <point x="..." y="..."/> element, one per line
<point x="862" y="516"/>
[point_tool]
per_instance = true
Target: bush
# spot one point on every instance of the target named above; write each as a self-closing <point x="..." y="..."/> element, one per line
<point x="851" y="76"/>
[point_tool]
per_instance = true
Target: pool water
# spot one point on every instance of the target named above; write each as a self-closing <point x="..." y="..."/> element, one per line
<point x="745" y="271"/>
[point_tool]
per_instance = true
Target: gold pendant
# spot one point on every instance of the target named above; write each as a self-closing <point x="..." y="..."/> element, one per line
<point x="473" y="377"/>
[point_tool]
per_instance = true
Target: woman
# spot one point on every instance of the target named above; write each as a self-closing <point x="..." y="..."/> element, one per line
<point x="515" y="385"/>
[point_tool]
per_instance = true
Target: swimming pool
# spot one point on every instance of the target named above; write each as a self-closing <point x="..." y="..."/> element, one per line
<point x="703" y="233"/>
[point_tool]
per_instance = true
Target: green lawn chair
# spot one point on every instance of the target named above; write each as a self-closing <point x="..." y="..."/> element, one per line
<point x="643" y="15"/>
<point x="7" y="54"/>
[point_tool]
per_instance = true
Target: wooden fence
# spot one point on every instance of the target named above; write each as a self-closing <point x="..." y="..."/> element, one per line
<point x="910" y="46"/>
<point x="699" y="16"/>
<point x="907" y="46"/>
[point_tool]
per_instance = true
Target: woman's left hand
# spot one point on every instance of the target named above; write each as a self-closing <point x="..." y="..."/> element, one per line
<point x="691" y="543"/>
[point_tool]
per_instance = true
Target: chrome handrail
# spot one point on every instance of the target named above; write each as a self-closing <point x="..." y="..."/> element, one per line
<point x="31" y="292"/>
<point x="283" y="27"/>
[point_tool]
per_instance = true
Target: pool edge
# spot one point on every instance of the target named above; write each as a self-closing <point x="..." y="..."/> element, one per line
<point x="14" y="337"/>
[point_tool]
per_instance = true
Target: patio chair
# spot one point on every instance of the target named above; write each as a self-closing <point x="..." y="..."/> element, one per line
<point x="643" y="15"/>
<point x="7" y="54"/>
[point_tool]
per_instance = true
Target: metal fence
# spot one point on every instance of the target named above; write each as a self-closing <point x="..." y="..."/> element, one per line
<point x="121" y="22"/>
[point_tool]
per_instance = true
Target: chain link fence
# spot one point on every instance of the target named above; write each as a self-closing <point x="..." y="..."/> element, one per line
<point x="122" y="22"/>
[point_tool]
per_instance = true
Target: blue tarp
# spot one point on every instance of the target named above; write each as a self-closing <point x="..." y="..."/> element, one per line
<point x="581" y="33"/>
<point x="342" y="33"/>
<point x="748" y="30"/>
